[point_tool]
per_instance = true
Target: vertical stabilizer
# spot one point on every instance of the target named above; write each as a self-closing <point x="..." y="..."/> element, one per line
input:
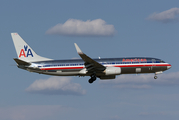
<point x="24" y="51"/>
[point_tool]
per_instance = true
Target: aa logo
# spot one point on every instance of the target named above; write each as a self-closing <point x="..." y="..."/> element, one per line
<point x="25" y="52"/>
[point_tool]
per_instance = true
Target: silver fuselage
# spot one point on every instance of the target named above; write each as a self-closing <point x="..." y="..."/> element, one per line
<point x="74" y="67"/>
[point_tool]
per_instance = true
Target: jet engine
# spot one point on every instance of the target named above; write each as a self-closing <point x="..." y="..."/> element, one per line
<point x="112" y="71"/>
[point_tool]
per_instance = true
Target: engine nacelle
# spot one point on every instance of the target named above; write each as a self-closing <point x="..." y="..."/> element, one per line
<point x="112" y="71"/>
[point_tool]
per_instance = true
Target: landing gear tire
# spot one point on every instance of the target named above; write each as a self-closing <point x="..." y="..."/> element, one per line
<point x="155" y="77"/>
<point x="92" y="79"/>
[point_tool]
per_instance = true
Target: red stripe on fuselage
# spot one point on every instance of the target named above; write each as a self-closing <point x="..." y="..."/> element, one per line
<point x="61" y="68"/>
<point x="141" y="65"/>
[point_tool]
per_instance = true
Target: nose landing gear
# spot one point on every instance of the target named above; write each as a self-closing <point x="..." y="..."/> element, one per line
<point x="156" y="73"/>
<point x="155" y="77"/>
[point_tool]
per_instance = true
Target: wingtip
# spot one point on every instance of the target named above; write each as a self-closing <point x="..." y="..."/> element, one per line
<point x="78" y="49"/>
<point x="14" y="33"/>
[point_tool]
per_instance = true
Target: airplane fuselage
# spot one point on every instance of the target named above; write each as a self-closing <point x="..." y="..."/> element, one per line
<point x="75" y="67"/>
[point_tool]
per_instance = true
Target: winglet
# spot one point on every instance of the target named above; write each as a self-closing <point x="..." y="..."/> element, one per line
<point x="88" y="61"/>
<point x="78" y="49"/>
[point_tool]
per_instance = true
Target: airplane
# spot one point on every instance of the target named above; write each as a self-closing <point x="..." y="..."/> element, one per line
<point x="103" y="68"/>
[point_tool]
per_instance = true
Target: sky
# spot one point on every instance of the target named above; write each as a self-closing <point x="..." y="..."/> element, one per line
<point x="101" y="28"/>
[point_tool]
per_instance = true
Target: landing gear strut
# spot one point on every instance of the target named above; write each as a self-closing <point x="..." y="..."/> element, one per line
<point x="156" y="73"/>
<point x="92" y="79"/>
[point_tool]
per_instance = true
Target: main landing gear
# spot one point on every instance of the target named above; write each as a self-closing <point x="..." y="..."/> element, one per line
<point x="92" y="79"/>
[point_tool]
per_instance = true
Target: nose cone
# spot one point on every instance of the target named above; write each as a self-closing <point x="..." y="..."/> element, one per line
<point x="168" y="67"/>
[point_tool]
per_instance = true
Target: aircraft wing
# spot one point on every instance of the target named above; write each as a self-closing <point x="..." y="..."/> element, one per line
<point x="90" y="64"/>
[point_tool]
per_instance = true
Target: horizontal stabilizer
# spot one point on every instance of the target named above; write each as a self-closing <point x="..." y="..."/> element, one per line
<point x="21" y="62"/>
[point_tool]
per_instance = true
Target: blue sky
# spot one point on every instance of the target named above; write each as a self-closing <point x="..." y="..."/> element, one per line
<point x="130" y="28"/>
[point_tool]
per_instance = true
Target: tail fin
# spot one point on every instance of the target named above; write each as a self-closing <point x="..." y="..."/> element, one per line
<point x="24" y="51"/>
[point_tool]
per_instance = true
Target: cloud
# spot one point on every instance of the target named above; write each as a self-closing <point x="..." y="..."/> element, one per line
<point x="143" y="81"/>
<point x="32" y="112"/>
<point x="56" y="86"/>
<point x="165" y="16"/>
<point x="74" y="27"/>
